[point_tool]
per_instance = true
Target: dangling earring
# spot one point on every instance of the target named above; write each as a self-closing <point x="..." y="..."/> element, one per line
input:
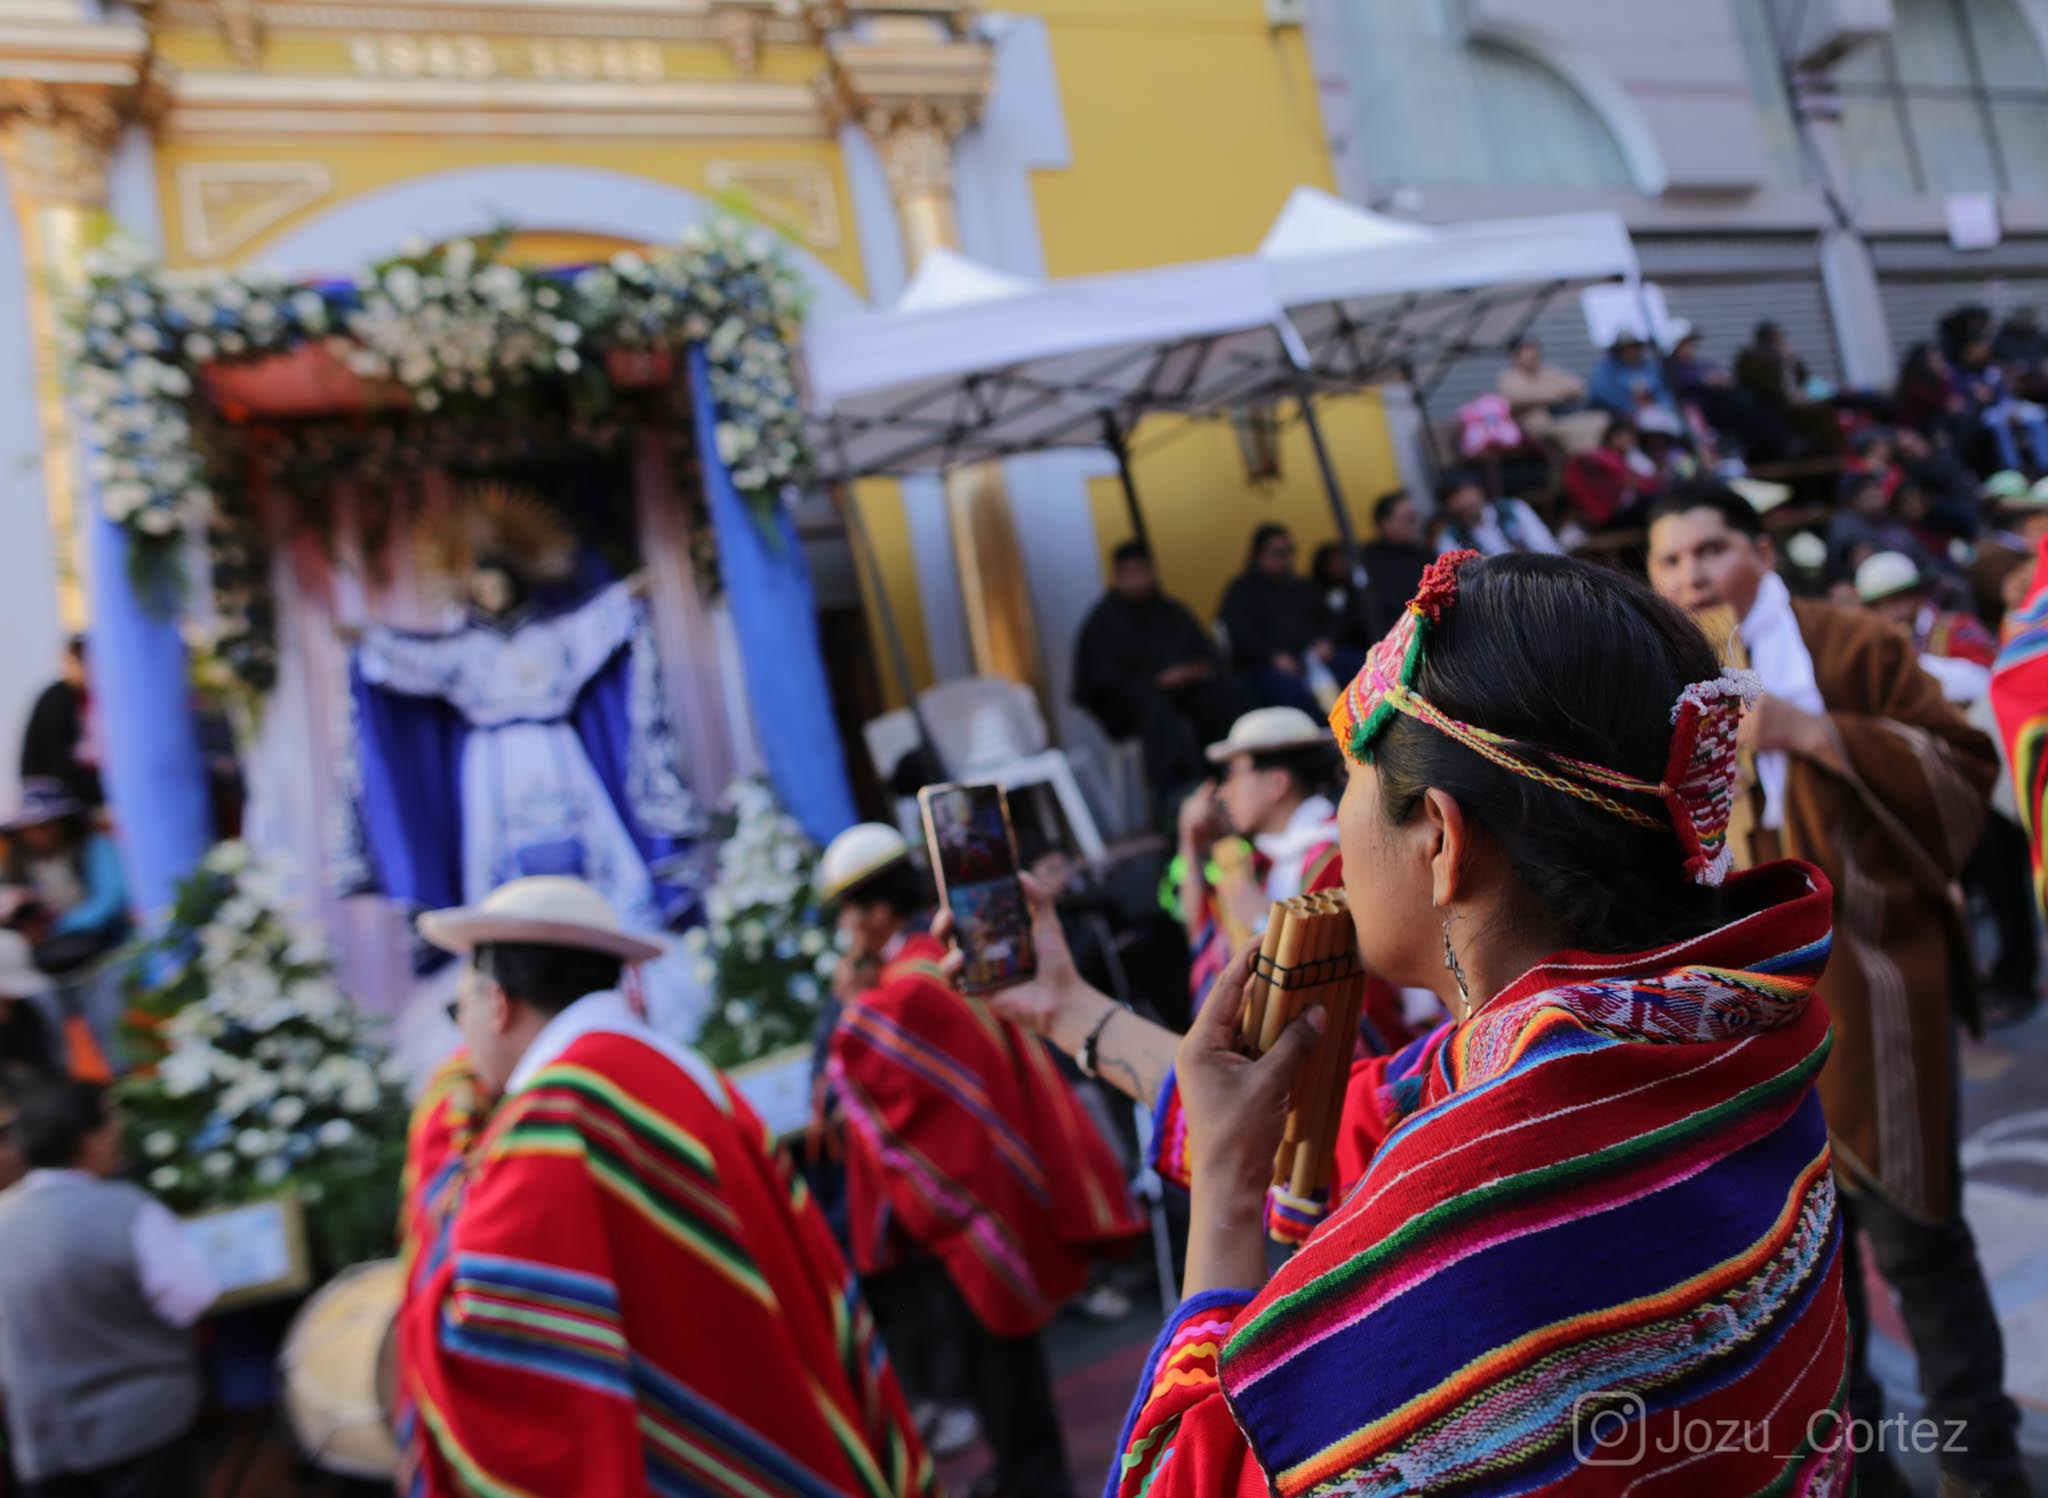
<point x="1452" y="966"/>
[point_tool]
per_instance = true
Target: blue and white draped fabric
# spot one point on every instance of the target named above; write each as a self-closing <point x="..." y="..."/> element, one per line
<point x="489" y="754"/>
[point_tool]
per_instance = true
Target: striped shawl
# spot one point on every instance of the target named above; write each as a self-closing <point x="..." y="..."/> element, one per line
<point x="1597" y="1214"/>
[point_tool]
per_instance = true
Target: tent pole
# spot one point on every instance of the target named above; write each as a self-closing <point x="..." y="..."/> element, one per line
<point x="1113" y="438"/>
<point x="870" y="571"/>
<point x="1331" y="487"/>
<point x="1433" y="456"/>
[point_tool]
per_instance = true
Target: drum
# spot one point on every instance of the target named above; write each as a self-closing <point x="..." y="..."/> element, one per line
<point x="339" y="1370"/>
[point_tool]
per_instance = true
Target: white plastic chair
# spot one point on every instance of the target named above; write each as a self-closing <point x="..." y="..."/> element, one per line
<point x="988" y="729"/>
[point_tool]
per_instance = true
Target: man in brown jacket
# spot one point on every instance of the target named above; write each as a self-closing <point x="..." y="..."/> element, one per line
<point x="1855" y="763"/>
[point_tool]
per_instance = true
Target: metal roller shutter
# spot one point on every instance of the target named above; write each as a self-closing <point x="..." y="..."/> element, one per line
<point x="1724" y="285"/>
<point x="1919" y="280"/>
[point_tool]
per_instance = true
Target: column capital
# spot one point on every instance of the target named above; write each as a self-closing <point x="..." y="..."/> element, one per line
<point x="67" y="85"/>
<point x="915" y="84"/>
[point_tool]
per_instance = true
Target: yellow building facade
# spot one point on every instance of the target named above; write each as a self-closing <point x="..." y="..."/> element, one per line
<point x="1052" y="137"/>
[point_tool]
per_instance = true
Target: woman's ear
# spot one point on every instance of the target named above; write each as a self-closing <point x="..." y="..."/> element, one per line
<point x="1449" y="847"/>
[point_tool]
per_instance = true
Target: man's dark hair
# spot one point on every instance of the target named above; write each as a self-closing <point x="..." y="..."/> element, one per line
<point x="1708" y="494"/>
<point x="1312" y="767"/>
<point x="1384" y="506"/>
<point x="1131" y="551"/>
<point x="1766" y="330"/>
<point x="547" y="977"/>
<point x="75" y="647"/>
<point x="1615" y="428"/>
<point x="902" y="887"/>
<point x="54" y="1123"/>
<point x="1263" y="536"/>
<point x="1531" y="651"/>
<point x="1521" y="340"/>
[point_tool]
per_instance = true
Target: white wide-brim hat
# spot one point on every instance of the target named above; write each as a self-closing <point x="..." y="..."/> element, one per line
<point x="857" y="855"/>
<point x="545" y="910"/>
<point x="1269" y="730"/>
<point x="20" y="978"/>
<point x="1886" y="575"/>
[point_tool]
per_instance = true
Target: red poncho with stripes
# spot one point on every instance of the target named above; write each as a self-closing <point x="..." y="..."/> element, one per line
<point x="625" y="1290"/>
<point x="1594" y="1249"/>
<point x="963" y="1138"/>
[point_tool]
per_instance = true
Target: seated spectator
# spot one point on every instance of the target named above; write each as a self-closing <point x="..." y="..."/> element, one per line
<point x="1988" y="403"/>
<point x="1394" y="559"/>
<point x="1712" y="391"/>
<point x="2022" y="348"/>
<point x="1547" y="403"/>
<point x="99" y="1288"/>
<point x="1770" y="371"/>
<point x="62" y="887"/>
<point x="59" y="743"/>
<point x="1870" y="456"/>
<point x="1144" y="667"/>
<point x="1347" y="614"/>
<point x="1273" y="618"/>
<point x="1925" y="396"/>
<point x="1864" y="525"/>
<point x="27" y="1037"/>
<point x="1627" y="384"/>
<point x="1608" y="486"/>
<point x="1950" y="488"/>
<point x="1468" y="521"/>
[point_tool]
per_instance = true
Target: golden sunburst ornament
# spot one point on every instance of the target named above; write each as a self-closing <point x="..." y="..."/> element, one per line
<point x="495" y="519"/>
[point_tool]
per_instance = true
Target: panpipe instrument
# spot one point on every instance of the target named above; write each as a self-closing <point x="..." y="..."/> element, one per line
<point x="1307" y="957"/>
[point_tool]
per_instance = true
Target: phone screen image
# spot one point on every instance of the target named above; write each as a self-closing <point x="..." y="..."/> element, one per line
<point x="968" y="830"/>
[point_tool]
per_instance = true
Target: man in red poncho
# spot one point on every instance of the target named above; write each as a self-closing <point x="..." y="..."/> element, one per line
<point x="616" y="1286"/>
<point x="964" y="1146"/>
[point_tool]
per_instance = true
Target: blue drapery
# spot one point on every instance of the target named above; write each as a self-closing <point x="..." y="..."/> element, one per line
<point x="769" y="589"/>
<point x="154" y="770"/>
<point x="410" y="754"/>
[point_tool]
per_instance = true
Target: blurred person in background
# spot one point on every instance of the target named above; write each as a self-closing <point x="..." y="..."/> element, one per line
<point x="1546" y="402"/>
<point x="1273" y="619"/>
<point x="2022" y="348"/>
<point x="1347" y="609"/>
<point x="1394" y="557"/>
<point x="1144" y="667"/>
<point x="28" y="1036"/>
<point x="62" y="887"/>
<point x="1608" y="486"/>
<point x="1468" y="521"/>
<point x="1989" y="404"/>
<point x="59" y="743"/>
<point x="1628" y="383"/>
<point x="973" y="1173"/>
<point x="99" y="1289"/>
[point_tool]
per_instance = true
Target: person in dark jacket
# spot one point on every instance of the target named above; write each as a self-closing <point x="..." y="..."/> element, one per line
<point x="1145" y="668"/>
<point x="58" y="744"/>
<point x="1394" y="558"/>
<point x="1278" y="636"/>
<point x="1347" y="616"/>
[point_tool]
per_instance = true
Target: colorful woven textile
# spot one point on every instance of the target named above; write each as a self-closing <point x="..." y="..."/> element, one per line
<point x="2019" y="696"/>
<point x="1955" y="637"/>
<point x="635" y="1295"/>
<point x="1599" y="1216"/>
<point x="963" y="1138"/>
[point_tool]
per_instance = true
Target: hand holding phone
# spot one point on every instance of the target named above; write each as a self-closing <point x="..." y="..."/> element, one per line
<point x="974" y="856"/>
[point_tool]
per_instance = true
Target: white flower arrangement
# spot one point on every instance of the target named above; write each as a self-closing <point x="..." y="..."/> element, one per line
<point x="766" y="951"/>
<point x="435" y="325"/>
<point x="260" y="1074"/>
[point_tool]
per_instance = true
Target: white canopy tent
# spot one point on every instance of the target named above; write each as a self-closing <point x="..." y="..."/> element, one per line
<point x="973" y="364"/>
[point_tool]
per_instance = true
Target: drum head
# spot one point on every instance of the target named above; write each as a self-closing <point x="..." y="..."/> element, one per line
<point x="334" y="1371"/>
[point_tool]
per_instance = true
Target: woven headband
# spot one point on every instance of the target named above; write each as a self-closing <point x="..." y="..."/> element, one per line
<point x="1698" y="788"/>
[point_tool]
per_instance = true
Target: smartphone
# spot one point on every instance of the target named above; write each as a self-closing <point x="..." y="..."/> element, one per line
<point x="974" y="854"/>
